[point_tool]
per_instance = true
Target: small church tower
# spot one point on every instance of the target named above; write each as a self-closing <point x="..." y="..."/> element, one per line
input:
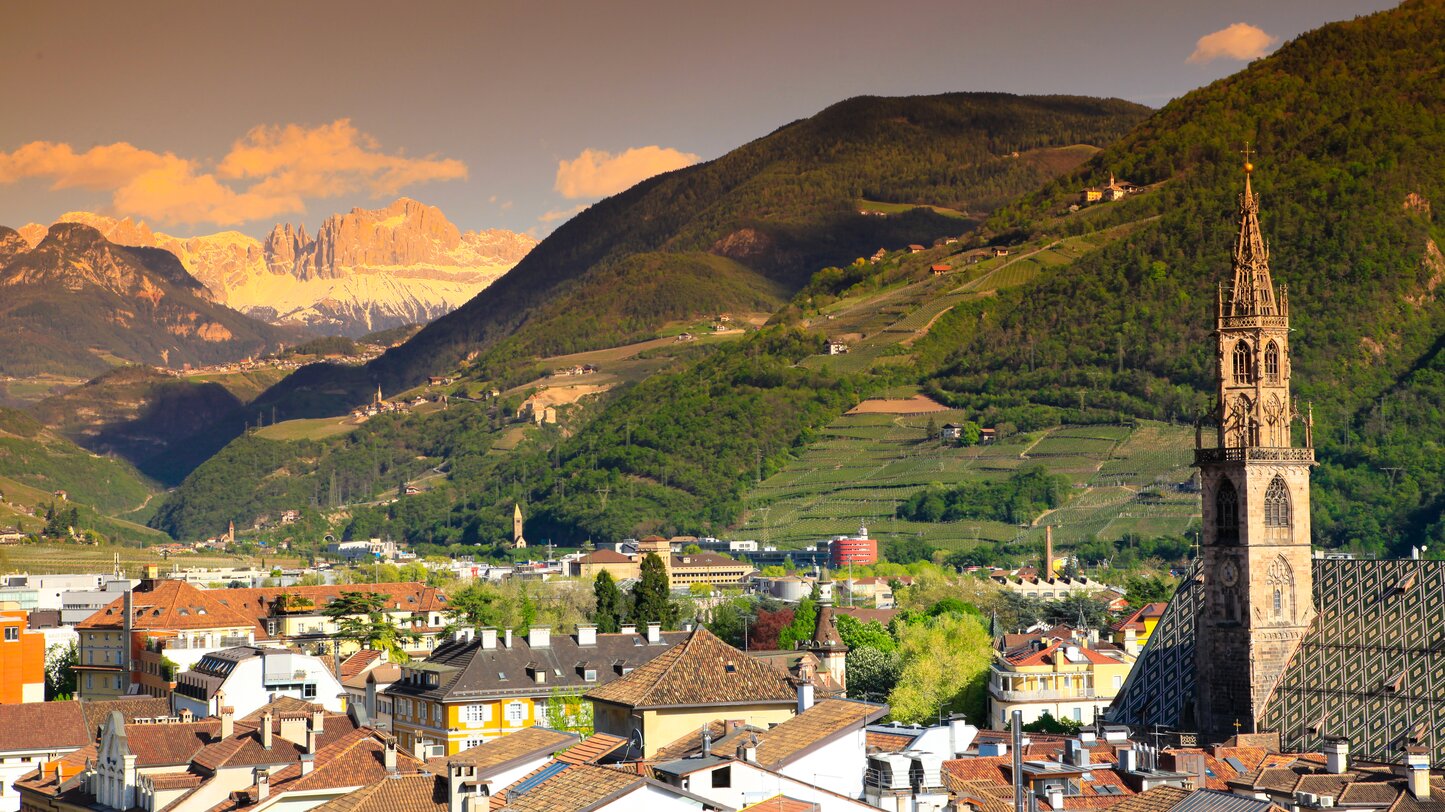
<point x="1258" y="585"/>
<point x="517" y="540"/>
<point x="826" y="643"/>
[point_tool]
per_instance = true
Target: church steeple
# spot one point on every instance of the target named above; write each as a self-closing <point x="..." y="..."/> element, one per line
<point x="1255" y="539"/>
<point x="1252" y="293"/>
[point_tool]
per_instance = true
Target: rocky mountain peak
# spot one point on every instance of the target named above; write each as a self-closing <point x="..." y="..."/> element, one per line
<point x="12" y="244"/>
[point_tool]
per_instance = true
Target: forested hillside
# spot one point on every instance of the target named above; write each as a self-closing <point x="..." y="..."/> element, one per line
<point x="1347" y="125"/>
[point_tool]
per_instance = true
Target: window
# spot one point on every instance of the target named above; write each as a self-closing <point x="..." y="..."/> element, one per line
<point x="477" y="714"/>
<point x="1278" y="601"/>
<point x="722" y="777"/>
<point x="308" y="691"/>
<point x="516" y="713"/>
<point x="1078" y="714"/>
<point x="1276" y="504"/>
<point x="1226" y="512"/>
<point x="436" y="714"/>
<point x="12" y="634"/>
<point x="1243" y="363"/>
<point x="1271" y="362"/>
<point x="1118" y="682"/>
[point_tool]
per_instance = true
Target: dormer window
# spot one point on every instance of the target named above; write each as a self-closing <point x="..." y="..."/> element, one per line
<point x="589" y="675"/>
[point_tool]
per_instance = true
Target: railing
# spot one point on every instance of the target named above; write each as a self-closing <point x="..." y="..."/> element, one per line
<point x="1025" y="696"/>
<point x="1254" y="454"/>
<point x="1254" y="321"/>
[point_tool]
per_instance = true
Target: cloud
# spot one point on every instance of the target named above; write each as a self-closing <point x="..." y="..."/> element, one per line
<point x="1240" y="41"/>
<point x="268" y="172"/>
<point x="597" y="173"/>
<point x="561" y="214"/>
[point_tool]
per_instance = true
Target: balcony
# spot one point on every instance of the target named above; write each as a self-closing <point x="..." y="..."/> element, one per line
<point x="1081" y="692"/>
<point x="1254" y="454"/>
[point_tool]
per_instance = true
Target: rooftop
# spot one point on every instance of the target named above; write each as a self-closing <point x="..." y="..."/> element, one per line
<point x="702" y="670"/>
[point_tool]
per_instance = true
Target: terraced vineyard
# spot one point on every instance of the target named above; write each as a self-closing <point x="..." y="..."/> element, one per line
<point x="1126" y="478"/>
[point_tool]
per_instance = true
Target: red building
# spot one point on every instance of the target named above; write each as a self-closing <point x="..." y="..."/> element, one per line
<point x="22" y="659"/>
<point x="859" y="550"/>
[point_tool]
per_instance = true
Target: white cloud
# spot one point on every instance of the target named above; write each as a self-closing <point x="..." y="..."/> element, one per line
<point x="267" y="173"/>
<point x="598" y="173"/>
<point x="1240" y="41"/>
<point x="562" y="214"/>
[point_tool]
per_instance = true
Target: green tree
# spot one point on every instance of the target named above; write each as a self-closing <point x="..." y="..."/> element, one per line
<point x="730" y="620"/>
<point x="873" y="673"/>
<point x="651" y="598"/>
<point x="856" y="634"/>
<point x="1142" y="589"/>
<point x="569" y="712"/>
<point x="360" y="618"/>
<point x="805" y="618"/>
<point x="60" y="662"/>
<point x="945" y="669"/>
<point x="1046" y="723"/>
<point x="608" y="614"/>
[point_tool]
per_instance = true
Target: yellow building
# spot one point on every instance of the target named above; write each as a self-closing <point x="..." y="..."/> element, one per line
<point x="481" y="684"/>
<point x="689" y="686"/>
<point x="1064" y="677"/>
<point x="1133" y="632"/>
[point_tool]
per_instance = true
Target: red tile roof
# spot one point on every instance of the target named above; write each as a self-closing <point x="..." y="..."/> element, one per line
<point x="257" y="604"/>
<point x="813" y="728"/>
<point x="1135" y="620"/>
<point x="168" y="605"/>
<point x="358" y="662"/>
<point x="43" y="726"/>
<point x="781" y="803"/>
<point x="591" y="749"/>
<point x="702" y="670"/>
<point x="605" y="557"/>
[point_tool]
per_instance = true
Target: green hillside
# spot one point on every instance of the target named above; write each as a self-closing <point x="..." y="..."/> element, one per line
<point x="35" y="464"/>
<point x="1348" y="124"/>
<point x="773" y="211"/>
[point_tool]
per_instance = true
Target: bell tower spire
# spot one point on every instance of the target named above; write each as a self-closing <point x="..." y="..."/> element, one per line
<point x="1255" y="540"/>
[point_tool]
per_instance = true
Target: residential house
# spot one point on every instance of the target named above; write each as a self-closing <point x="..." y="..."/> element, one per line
<point x="248" y="677"/>
<point x="295" y="616"/>
<point x="358" y="758"/>
<point x="501" y="762"/>
<point x="146" y="636"/>
<point x="32" y="734"/>
<point x="22" y="659"/>
<point x="837" y="348"/>
<point x="1133" y="632"/>
<point x="824" y="745"/>
<point x="706" y="568"/>
<point x="481" y="684"/>
<point x="915" y="248"/>
<point x="1068" y="678"/>
<point x="939" y="269"/>
<point x="685" y="687"/>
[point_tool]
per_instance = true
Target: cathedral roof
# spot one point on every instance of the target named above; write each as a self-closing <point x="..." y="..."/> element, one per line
<point x="1368" y="669"/>
<point x="1253" y="290"/>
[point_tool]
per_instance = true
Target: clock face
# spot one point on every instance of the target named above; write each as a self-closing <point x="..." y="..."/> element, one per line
<point x="1228" y="573"/>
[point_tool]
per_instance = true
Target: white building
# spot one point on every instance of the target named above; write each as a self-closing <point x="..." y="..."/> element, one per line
<point x="249" y="677"/>
<point x="78" y="604"/>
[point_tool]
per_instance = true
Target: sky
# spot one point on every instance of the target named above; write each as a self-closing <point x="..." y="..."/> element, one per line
<point x="202" y="117"/>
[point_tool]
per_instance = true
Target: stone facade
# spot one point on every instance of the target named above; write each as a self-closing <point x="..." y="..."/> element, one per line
<point x="1257" y="602"/>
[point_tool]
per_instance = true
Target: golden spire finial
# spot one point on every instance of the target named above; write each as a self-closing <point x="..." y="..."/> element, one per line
<point x="1248" y="167"/>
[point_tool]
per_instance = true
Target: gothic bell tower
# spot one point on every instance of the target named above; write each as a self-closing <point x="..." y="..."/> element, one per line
<point x="1258" y="602"/>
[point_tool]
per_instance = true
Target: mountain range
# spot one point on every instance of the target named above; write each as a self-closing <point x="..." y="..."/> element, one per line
<point x="363" y="271"/>
<point x="76" y="303"/>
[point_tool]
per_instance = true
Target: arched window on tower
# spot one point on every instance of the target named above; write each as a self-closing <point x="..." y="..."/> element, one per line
<point x="1281" y="581"/>
<point x="1271" y="363"/>
<point x="1243" y="363"/>
<point x="1226" y="512"/>
<point x="1276" y="504"/>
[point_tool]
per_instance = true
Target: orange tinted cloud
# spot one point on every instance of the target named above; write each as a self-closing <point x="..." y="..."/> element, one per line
<point x="269" y="172"/>
<point x="327" y="161"/>
<point x="597" y="173"/>
<point x="1240" y="41"/>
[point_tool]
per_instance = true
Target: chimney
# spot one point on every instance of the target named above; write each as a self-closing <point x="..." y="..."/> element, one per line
<point x="507" y="638"/>
<point x="706" y="741"/>
<point x="186" y="716"/>
<point x="293" y="727"/>
<point x="311" y="745"/>
<point x="748" y="750"/>
<point x="266" y="729"/>
<point x="1075" y="753"/>
<point x="463" y="634"/>
<point x="308" y="761"/>
<point x="418" y="748"/>
<point x="261" y="783"/>
<point x="1048" y="551"/>
<point x="960" y="735"/>
<point x="388" y="755"/>
<point x="805" y="695"/>
<point x="1337" y="754"/>
<point x="461" y="782"/>
<point x="1128" y="760"/>
<point x="1016" y="727"/>
<point x="586" y="635"/>
<point x="1417" y="770"/>
<point x="489" y="638"/>
<point x="654" y="632"/>
<point x="127" y="623"/>
<point x="318" y="718"/>
<point x="228" y="721"/>
<point x="629" y="630"/>
<point x="539" y="637"/>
